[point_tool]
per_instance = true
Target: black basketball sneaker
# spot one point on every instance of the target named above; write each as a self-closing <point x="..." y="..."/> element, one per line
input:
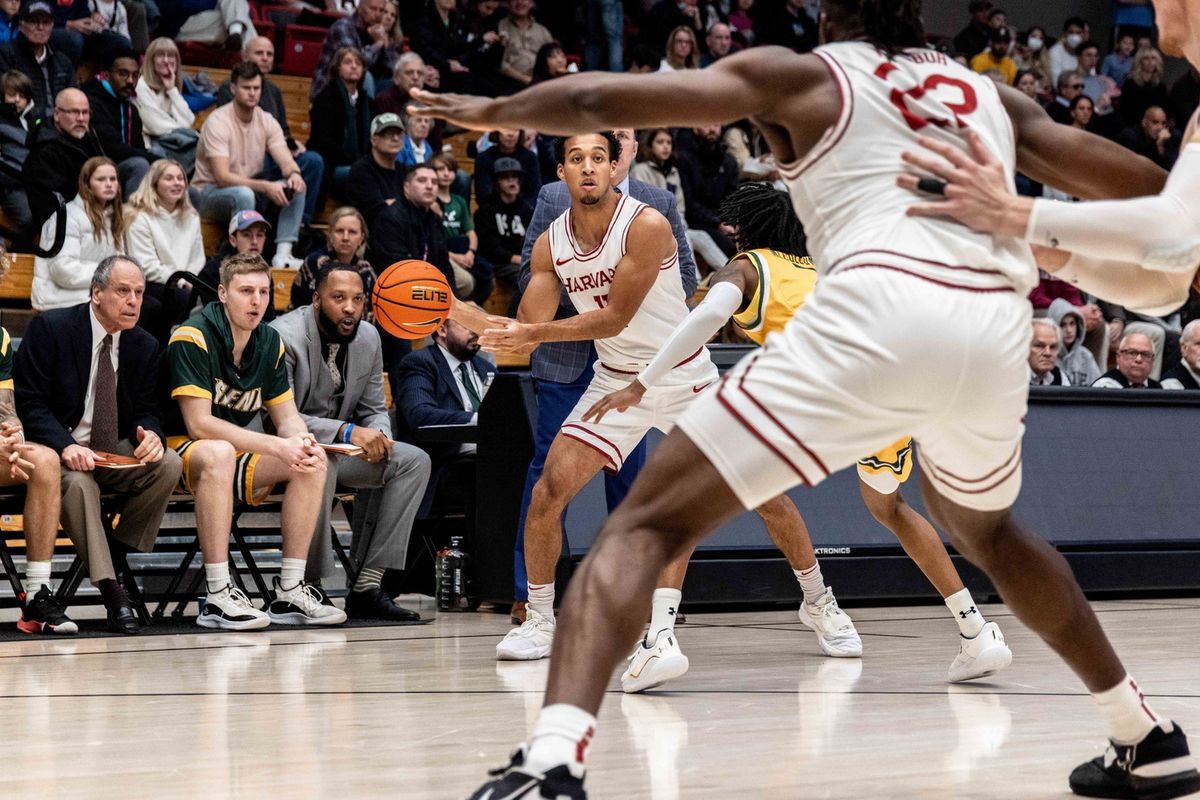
<point x="1158" y="767"/>
<point x="515" y="781"/>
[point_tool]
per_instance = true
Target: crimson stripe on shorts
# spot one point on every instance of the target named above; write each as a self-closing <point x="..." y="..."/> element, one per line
<point x="941" y="475"/>
<point x="612" y="465"/>
<point x="737" y="415"/>
<point x="918" y="259"/>
<point x="959" y="286"/>
<point x="772" y="417"/>
<point x="627" y="372"/>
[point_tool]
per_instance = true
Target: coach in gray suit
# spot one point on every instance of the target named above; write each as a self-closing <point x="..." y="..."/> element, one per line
<point x="336" y="369"/>
<point x="562" y="370"/>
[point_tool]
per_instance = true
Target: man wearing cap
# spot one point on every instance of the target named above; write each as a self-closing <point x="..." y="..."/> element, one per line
<point x="996" y="56"/>
<point x="374" y="182"/>
<point x="249" y="232"/>
<point x="502" y="219"/>
<point x="29" y="52"/>
<point x="116" y="120"/>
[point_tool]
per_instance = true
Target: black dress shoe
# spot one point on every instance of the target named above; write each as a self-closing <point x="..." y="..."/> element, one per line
<point x="375" y="604"/>
<point x="123" y="619"/>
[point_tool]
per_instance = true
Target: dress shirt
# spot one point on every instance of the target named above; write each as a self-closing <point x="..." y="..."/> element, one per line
<point x="82" y="433"/>
<point x="462" y="390"/>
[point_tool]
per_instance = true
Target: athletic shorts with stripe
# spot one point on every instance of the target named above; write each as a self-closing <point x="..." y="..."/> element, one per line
<point x="243" y="474"/>
<point x="877" y="354"/>
<point x="618" y="434"/>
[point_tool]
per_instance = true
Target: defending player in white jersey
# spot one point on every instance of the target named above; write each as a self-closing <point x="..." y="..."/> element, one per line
<point x="917" y="326"/>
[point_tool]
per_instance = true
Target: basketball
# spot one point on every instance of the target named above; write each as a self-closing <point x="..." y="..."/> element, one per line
<point x="411" y="299"/>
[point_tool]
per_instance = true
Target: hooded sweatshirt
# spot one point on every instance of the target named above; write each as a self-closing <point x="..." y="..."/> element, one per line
<point x="1076" y="361"/>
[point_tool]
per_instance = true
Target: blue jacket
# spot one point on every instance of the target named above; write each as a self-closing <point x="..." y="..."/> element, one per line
<point x="429" y="396"/>
<point x="563" y="362"/>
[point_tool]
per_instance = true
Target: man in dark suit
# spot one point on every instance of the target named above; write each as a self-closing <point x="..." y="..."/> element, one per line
<point x="562" y="370"/>
<point x="443" y="385"/>
<point x="85" y="385"/>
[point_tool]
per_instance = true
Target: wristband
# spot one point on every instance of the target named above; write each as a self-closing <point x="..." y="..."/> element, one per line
<point x="346" y="432"/>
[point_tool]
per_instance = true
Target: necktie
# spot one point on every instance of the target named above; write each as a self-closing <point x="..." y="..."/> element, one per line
<point x="104" y="405"/>
<point x="331" y="363"/>
<point x="468" y="382"/>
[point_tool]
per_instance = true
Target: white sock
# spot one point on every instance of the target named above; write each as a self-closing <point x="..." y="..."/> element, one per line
<point x="969" y="618"/>
<point x="1126" y="711"/>
<point x="541" y="599"/>
<point x="291" y="573"/>
<point x="37" y="575"/>
<point x="662" y="612"/>
<point x="283" y="250"/>
<point x="561" y="736"/>
<point x="216" y="576"/>
<point x="812" y="582"/>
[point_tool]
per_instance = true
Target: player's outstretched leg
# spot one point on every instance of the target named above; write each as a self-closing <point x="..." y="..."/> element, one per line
<point x="677" y="500"/>
<point x="981" y="646"/>
<point x="657" y="657"/>
<point x="819" y="610"/>
<point x="1148" y="755"/>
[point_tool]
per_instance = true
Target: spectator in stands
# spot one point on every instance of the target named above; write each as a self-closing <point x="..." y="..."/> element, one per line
<point x="682" y="52"/>
<point x="1144" y="87"/>
<point x="1076" y="361"/>
<point x="741" y="25"/>
<point x="1043" y="355"/>
<point x="116" y="120"/>
<point x="667" y="15"/>
<point x="163" y="234"/>
<point x="507" y="144"/>
<point x="341" y="118"/>
<point x="444" y="385"/>
<point x="226" y="370"/>
<point x="57" y="153"/>
<point x="219" y="22"/>
<point x="996" y="56"/>
<point x="409" y="228"/>
<point x="34" y="467"/>
<point x="49" y="70"/>
<point x="605" y="35"/>
<point x="441" y="39"/>
<point x="10" y="22"/>
<point x="381" y="71"/>
<point x="1082" y="112"/>
<point x="1153" y="139"/>
<point x="787" y="24"/>
<point x="973" y="39"/>
<point x="1027" y="84"/>
<point x="502" y="218"/>
<point x="1118" y="64"/>
<point x="1186" y="374"/>
<point x="166" y="117"/>
<point x="462" y="242"/>
<point x="18" y="116"/>
<point x="96" y="226"/>
<point x="365" y="32"/>
<point x="709" y="174"/>
<point x="523" y="36"/>
<point x="1135" y="358"/>
<point x="1070" y="86"/>
<point x="249" y="232"/>
<point x="642" y="59"/>
<point x="1100" y="88"/>
<point x="375" y="182"/>
<point x="416" y="148"/>
<point x="335" y="366"/>
<point x="551" y="62"/>
<point x="345" y="246"/>
<point x="86" y="379"/>
<point x="486" y="47"/>
<point x="408" y="74"/>
<point x="233" y="171"/>
<point x="1031" y="51"/>
<point x="719" y="43"/>
<point x="1063" y="55"/>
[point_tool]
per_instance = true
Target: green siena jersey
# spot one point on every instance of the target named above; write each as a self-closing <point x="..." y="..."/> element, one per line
<point x="6" y="379"/>
<point x="201" y="365"/>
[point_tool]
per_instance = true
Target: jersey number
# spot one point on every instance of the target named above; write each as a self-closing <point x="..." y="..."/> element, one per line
<point x="601" y="300"/>
<point x="967" y="104"/>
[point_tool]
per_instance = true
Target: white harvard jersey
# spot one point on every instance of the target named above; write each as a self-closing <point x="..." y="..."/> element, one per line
<point x="588" y="276"/>
<point x="844" y="190"/>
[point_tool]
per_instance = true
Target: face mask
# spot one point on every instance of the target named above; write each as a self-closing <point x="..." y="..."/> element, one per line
<point x="1035" y="43"/>
<point x="1074" y="40"/>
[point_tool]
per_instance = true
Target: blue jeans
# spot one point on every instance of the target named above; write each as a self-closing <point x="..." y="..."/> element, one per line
<point x="337" y="186"/>
<point x="554" y="402"/>
<point x="605" y="18"/>
<point x="221" y="203"/>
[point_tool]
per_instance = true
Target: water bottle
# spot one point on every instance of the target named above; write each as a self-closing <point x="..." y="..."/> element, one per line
<point x="451" y="577"/>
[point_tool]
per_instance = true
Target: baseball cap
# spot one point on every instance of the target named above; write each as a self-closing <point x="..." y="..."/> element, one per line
<point x="244" y="219"/>
<point x="504" y="165"/>
<point x="384" y="121"/>
<point x="31" y="7"/>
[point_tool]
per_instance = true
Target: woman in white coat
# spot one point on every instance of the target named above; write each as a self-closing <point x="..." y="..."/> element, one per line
<point x="95" y="230"/>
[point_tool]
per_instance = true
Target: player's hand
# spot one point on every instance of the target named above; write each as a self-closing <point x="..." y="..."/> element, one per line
<point x="1050" y="259"/>
<point x="617" y="401"/>
<point x="79" y="458"/>
<point x="12" y="429"/>
<point x="509" y="336"/>
<point x="460" y="109"/>
<point x="976" y="192"/>
<point x="150" y="447"/>
<point x="297" y="452"/>
<point x="296" y="183"/>
<point x="376" y="445"/>
<point x="19" y="467"/>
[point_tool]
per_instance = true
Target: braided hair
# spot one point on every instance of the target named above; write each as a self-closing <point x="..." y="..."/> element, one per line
<point x="890" y="25"/>
<point x="764" y="218"/>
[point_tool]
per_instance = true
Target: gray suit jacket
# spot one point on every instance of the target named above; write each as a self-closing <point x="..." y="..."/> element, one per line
<point x="563" y="362"/>
<point x="363" y="401"/>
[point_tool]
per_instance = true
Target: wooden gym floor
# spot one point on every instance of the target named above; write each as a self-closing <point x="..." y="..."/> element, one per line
<point x="423" y="712"/>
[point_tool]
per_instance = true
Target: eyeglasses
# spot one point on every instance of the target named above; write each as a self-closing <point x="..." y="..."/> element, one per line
<point x="75" y="112"/>
<point x="1137" y="355"/>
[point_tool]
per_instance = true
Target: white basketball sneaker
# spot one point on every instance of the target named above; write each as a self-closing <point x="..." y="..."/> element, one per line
<point x="654" y="665"/>
<point x="529" y="641"/>
<point x="834" y="628"/>
<point x="231" y="610"/>
<point x="302" y="605"/>
<point x="981" y="655"/>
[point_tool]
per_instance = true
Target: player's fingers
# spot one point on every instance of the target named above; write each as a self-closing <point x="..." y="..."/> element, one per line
<point x="937" y="167"/>
<point x="927" y="210"/>
<point x="946" y="151"/>
<point x="980" y="151"/>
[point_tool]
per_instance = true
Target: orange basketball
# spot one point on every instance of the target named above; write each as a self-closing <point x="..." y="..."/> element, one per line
<point x="411" y="299"/>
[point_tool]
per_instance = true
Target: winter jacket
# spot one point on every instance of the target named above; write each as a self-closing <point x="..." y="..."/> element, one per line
<point x="664" y="176"/>
<point x="164" y="243"/>
<point x="66" y="279"/>
<point x="49" y="78"/>
<point x="117" y="123"/>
